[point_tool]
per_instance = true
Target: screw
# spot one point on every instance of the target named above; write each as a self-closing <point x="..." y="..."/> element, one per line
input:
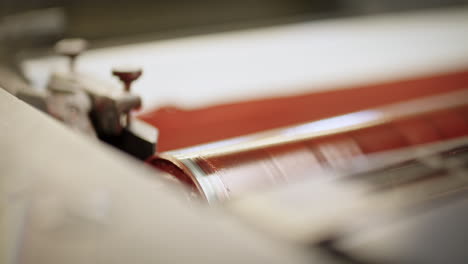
<point x="71" y="48"/>
<point x="127" y="74"/>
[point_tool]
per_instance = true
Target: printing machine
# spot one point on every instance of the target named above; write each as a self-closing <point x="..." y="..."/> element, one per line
<point x="87" y="177"/>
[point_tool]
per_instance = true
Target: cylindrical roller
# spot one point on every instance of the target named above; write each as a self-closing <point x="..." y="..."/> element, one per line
<point x="230" y="168"/>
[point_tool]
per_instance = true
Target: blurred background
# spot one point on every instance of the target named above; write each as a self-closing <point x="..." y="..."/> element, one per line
<point x="205" y="52"/>
<point x="106" y="19"/>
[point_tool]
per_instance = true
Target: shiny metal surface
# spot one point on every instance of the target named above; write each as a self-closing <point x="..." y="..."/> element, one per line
<point x="397" y="184"/>
<point x="231" y="168"/>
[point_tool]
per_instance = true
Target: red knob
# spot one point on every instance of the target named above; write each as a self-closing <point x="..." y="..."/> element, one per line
<point x="127" y="75"/>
